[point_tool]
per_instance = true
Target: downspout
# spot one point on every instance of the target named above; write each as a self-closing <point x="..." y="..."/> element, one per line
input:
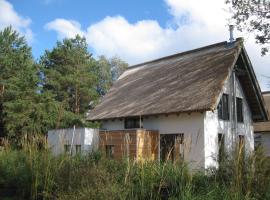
<point x="234" y="114"/>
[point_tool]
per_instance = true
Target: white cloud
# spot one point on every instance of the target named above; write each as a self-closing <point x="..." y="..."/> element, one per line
<point x="9" y="17"/>
<point x="65" y="28"/>
<point x="195" y="23"/>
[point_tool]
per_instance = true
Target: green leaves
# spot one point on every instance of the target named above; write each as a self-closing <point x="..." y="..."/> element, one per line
<point x="253" y="16"/>
<point x="54" y="93"/>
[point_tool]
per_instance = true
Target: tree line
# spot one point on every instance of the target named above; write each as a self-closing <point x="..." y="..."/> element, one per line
<point x="54" y="92"/>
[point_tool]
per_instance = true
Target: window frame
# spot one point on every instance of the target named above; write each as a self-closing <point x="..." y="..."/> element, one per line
<point x="132" y="122"/>
<point x="239" y="110"/>
<point x="67" y="148"/>
<point x="109" y="151"/>
<point x="223" y="108"/>
<point x="78" y="148"/>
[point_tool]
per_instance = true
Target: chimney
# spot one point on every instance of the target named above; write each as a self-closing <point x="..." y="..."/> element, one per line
<point x="231" y="27"/>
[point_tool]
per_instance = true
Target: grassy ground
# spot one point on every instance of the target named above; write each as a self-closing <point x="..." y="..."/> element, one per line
<point x="33" y="173"/>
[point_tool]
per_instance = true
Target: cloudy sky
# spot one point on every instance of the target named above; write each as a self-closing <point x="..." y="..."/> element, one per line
<point x="135" y="30"/>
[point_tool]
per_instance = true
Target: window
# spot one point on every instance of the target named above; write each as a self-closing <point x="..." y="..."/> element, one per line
<point x="180" y="143"/>
<point x="67" y="148"/>
<point x="109" y="151"/>
<point x="241" y="146"/>
<point x="133" y="122"/>
<point x="239" y="107"/>
<point x="221" y="148"/>
<point x="241" y="141"/>
<point x="223" y="107"/>
<point x="172" y="147"/>
<point x="78" y="149"/>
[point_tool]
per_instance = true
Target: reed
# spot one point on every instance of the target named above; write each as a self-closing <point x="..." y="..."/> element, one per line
<point x="31" y="172"/>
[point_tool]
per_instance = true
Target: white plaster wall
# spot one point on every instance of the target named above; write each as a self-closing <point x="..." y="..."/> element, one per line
<point x="214" y="126"/>
<point x="192" y="127"/>
<point x="86" y="137"/>
<point x="189" y="124"/>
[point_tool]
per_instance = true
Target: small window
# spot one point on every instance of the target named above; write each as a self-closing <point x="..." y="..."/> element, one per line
<point x="239" y="107"/>
<point x="241" y="146"/>
<point x="133" y="122"/>
<point x="67" y="148"/>
<point x="109" y="151"/>
<point x="78" y="149"/>
<point x="223" y="107"/>
<point x="221" y="148"/>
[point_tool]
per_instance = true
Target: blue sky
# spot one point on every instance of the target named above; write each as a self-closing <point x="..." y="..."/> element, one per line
<point x="134" y="30"/>
<point x="85" y="12"/>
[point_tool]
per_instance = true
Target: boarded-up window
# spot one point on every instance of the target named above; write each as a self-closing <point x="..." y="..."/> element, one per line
<point x="109" y="151"/>
<point x="223" y="107"/>
<point x="239" y="107"/>
<point x="132" y="122"/>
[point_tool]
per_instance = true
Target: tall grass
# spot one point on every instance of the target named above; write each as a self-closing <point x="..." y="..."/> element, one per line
<point x="31" y="172"/>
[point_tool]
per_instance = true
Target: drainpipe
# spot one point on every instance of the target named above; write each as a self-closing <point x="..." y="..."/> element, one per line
<point x="234" y="114"/>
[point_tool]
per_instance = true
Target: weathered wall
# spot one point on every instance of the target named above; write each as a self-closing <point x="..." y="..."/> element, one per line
<point x="86" y="137"/>
<point x="214" y="126"/>
<point x="189" y="124"/>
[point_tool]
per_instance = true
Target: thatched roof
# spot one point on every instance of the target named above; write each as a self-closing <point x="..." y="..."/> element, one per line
<point x="186" y="82"/>
<point x="264" y="126"/>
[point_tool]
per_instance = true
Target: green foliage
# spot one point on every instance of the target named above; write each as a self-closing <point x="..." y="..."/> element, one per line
<point x="253" y="16"/>
<point x="33" y="173"/>
<point x="108" y="71"/>
<point x="23" y="109"/>
<point x="57" y="92"/>
<point x="68" y="73"/>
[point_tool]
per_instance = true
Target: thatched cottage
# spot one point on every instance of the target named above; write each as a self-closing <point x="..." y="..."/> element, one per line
<point x="185" y="106"/>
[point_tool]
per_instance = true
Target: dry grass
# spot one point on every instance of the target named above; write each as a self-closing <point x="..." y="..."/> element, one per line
<point x="33" y="173"/>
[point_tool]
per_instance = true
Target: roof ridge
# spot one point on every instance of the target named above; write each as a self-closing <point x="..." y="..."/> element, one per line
<point x="183" y="53"/>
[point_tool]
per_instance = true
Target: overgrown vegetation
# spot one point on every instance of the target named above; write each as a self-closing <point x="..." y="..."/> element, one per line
<point x="33" y="173"/>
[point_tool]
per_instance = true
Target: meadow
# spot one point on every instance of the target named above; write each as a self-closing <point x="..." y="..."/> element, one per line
<point x="31" y="172"/>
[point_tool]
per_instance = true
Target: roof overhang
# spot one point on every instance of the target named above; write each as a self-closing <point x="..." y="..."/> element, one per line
<point x="251" y="88"/>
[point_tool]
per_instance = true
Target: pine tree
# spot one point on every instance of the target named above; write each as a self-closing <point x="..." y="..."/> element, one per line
<point x="23" y="109"/>
<point x="69" y="73"/>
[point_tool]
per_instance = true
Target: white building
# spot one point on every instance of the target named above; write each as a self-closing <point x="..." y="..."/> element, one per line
<point x="198" y="101"/>
<point x="78" y="140"/>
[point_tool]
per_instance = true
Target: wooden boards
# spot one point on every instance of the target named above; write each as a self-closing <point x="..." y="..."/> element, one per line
<point x="139" y="144"/>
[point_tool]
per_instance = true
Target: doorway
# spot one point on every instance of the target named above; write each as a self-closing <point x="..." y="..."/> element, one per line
<point x="172" y="147"/>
